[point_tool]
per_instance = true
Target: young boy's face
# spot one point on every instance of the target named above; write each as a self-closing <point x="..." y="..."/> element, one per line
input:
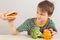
<point x="42" y="15"/>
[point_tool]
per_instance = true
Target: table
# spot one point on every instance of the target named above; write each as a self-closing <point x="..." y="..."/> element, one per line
<point x="22" y="37"/>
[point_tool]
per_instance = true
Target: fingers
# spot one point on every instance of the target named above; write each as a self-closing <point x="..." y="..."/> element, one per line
<point x="2" y="16"/>
<point x="53" y="33"/>
<point x="11" y="20"/>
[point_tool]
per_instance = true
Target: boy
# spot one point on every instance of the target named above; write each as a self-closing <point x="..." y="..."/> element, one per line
<point x="44" y="12"/>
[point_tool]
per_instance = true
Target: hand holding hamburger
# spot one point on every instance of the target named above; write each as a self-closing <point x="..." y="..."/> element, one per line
<point x="11" y="15"/>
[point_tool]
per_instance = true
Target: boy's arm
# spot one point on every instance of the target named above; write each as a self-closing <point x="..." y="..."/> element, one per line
<point x="53" y="28"/>
<point x="12" y="28"/>
<point x="23" y="27"/>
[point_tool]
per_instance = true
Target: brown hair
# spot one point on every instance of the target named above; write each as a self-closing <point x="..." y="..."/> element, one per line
<point x="46" y="6"/>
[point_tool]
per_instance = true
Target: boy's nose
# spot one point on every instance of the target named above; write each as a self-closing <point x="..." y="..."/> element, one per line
<point x="39" y="17"/>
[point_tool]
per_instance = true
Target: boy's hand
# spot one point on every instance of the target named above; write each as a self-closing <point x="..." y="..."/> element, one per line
<point x="11" y="20"/>
<point x="11" y="15"/>
<point x="2" y="16"/>
<point x="53" y="32"/>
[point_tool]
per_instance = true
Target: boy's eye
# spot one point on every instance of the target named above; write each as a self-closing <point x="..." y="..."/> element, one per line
<point x="41" y="14"/>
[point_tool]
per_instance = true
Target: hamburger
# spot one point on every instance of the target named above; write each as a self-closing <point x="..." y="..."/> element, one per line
<point x="11" y="15"/>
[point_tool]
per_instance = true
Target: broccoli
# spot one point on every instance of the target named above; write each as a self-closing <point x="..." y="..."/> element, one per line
<point x="35" y="32"/>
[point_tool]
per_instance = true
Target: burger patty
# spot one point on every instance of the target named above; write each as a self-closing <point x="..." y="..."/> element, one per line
<point x="12" y="14"/>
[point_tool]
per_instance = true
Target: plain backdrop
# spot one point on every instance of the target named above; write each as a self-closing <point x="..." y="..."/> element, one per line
<point x="25" y="9"/>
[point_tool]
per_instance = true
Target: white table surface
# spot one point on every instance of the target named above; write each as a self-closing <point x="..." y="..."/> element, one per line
<point x="23" y="37"/>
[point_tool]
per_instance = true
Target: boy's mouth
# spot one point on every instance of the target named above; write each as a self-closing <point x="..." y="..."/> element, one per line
<point x="39" y="21"/>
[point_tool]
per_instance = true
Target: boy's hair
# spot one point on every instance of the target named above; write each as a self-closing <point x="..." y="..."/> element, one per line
<point x="46" y="6"/>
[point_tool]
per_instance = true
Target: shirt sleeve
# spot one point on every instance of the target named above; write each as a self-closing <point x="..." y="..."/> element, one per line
<point x="24" y="26"/>
<point x="52" y="24"/>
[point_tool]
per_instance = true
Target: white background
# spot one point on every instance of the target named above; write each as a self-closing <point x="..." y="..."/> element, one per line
<point x="25" y="9"/>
